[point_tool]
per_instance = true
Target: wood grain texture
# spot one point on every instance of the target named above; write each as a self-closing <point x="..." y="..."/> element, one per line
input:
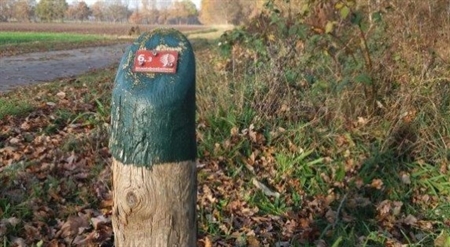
<point x="154" y="206"/>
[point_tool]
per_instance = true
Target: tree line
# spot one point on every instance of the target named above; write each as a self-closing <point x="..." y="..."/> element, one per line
<point x="133" y="11"/>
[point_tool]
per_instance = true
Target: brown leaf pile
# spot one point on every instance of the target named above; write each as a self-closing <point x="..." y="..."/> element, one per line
<point x="53" y="169"/>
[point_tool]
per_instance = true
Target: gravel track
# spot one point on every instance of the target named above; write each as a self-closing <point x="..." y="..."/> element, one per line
<point x="41" y="67"/>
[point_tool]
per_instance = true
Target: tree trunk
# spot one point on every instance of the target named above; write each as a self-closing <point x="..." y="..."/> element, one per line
<point x="154" y="204"/>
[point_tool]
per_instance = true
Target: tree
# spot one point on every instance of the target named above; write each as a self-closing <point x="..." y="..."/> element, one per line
<point x="98" y="10"/>
<point x="78" y="11"/>
<point x="251" y="9"/>
<point x="163" y="4"/>
<point x="116" y="11"/>
<point x="221" y="12"/>
<point x="24" y="10"/>
<point x="50" y="10"/>
<point x="183" y="11"/>
<point x="135" y="17"/>
<point x="149" y="13"/>
<point x="163" y="16"/>
<point x="6" y="9"/>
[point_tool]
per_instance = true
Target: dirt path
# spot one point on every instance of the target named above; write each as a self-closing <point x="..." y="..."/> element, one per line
<point x="38" y="67"/>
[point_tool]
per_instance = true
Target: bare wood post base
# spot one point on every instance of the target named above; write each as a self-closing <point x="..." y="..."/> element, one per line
<point x="144" y="199"/>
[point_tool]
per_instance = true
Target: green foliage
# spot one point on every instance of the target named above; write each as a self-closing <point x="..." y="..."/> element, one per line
<point x="337" y="53"/>
<point x="50" y="10"/>
<point x="337" y="79"/>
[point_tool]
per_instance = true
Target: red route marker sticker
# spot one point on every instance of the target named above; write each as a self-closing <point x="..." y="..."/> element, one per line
<point x="155" y="61"/>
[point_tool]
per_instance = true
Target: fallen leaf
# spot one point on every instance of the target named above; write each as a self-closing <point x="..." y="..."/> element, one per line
<point x="443" y="240"/>
<point x="405" y="177"/>
<point x="377" y="184"/>
<point x="410" y="220"/>
<point x="207" y="242"/>
<point x="331" y="216"/>
<point x="61" y="95"/>
<point x="252" y="241"/>
<point x="397" y="207"/>
<point x="99" y="221"/>
<point x="19" y="242"/>
<point x="72" y="226"/>
<point x="25" y="126"/>
<point x="14" y="140"/>
<point x="264" y="188"/>
<point x="13" y="221"/>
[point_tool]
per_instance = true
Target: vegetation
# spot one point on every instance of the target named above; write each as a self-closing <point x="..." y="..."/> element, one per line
<point x="78" y="11"/>
<point x="139" y="12"/>
<point x="7" y="38"/>
<point x="14" y="43"/>
<point x="50" y="10"/>
<point x="337" y="134"/>
<point x="19" y="38"/>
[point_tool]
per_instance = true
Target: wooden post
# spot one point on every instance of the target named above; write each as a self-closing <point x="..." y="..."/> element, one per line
<point x="153" y="143"/>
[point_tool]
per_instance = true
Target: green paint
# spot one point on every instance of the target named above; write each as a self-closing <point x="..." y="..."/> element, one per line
<point x="153" y="114"/>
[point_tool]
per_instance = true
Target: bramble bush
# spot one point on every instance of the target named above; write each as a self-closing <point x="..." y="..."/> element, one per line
<point x="346" y="100"/>
<point x="344" y="60"/>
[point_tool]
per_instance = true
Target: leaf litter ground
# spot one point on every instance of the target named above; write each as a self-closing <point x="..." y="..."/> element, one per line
<point x="56" y="180"/>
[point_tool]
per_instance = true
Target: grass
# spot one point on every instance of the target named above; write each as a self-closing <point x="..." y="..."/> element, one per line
<point x="323" y="173"/>
<point x="15" y="107"/>
<point x="15" y="43"/>
<point x="39" y="190"/>
<point x="19" y="38"/>
<point x="237" y="147"/>
<point x="14" y="38"/>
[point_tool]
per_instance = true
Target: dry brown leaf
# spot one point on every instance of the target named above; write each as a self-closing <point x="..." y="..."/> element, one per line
<point x="207" y="242"/>
<point x="331" y="216"/>
<point x="377" y="184"/>
<point x="61" y="95"/>
<point x="405" y="177"/>
<point x="19" y="242"/>
<point x="397" y="207"/>
<point x="3" y="229"/>
<point x="13" y="221"/>
<point x="384" y="207"/>
<point x="442" y="240"/>
<point x="264" y="188"/>
<point x="25" y="126"/>
<point x="320" y="243"/>
<point x="72" y="226"/>
<point x="99" y="221"/>
<point x="410" y="220"/>
<point x="14" y="140"/>
<point x="253" y="242"/>
<point x="234" y="131"/>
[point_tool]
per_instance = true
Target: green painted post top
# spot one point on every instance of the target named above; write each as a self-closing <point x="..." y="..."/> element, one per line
<point x="153" y="114"/>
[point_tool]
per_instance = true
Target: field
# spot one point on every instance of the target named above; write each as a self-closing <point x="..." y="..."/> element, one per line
<point x="305" y="138"/>
<point x="17" y="38"/>
<point x="115" y="29"/>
